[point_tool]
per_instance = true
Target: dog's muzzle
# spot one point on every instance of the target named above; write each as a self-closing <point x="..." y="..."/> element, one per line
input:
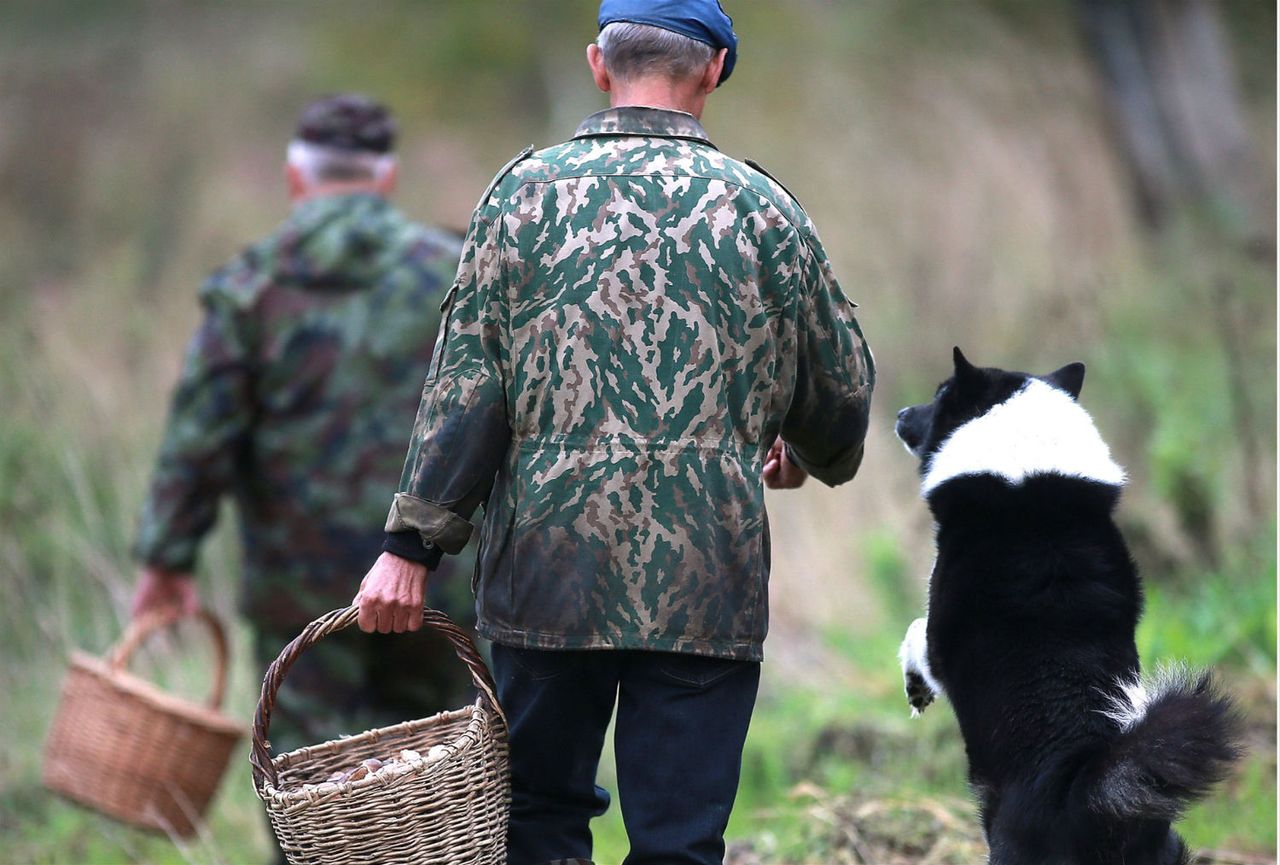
<point x="912" y="425"/>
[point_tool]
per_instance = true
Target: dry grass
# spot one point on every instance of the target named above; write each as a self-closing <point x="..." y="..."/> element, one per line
<point x="854" y="831"/>
<point x="844" y="830"/>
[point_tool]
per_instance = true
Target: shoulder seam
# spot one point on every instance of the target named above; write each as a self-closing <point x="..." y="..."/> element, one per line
<point x="213" y="287"/>
<point x="760" y="168"/>
<point x="503" y="172"/>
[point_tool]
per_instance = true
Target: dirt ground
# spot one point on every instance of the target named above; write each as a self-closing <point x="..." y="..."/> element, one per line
<point x="846" y="831"/>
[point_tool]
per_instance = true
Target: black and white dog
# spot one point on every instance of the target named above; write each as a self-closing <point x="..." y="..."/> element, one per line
<point x="1033" y="603"/>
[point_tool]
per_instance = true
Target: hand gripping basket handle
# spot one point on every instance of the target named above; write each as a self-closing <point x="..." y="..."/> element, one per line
<point x="336" y="620"/>
<point x="144" y="626"/>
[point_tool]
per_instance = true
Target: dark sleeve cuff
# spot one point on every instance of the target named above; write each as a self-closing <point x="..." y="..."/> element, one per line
<point x="446" y="529"/>
<point x="179" y="556"/>
<point x="839" y="470"/>
<point x="409" y="545"/>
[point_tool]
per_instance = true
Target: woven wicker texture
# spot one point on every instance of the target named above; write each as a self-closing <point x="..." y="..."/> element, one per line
<point x="450" y="808"/>
<point x="123" y="747"/>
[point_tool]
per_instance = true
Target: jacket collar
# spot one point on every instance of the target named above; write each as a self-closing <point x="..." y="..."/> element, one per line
<point x="640" y="120"/>
<point x="325" y="203"/>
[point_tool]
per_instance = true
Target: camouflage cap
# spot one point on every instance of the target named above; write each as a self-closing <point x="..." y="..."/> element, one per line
<point x="348" y="121"/>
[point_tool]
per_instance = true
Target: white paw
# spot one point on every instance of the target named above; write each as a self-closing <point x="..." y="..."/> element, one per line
<point x="918" y="682"/>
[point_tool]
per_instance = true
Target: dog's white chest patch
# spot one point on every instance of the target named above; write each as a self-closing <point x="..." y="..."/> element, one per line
<point x="1039" y="430"/>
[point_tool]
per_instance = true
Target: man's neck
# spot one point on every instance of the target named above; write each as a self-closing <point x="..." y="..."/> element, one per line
<point x="658" y="93"/>
<point x="324" y="190"/>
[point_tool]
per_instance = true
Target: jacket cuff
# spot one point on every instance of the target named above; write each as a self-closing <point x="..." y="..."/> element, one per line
<point x="174" y="556"/>
<point x="409" y="545"/>
<point x="835" y="472"/>
<point x="433" y="523"/>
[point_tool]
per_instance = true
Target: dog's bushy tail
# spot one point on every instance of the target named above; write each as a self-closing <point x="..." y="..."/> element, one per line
<point x="1178" y="737"/>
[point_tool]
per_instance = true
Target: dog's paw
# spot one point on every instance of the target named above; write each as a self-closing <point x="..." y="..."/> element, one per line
<point x="914" y="656"/>
<point x="919" y="694"/>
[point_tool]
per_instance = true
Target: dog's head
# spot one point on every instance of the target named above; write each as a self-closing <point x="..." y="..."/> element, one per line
<point x="970" y="393"/>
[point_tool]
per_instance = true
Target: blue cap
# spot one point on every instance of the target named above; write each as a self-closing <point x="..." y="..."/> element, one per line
<point x="702" y="20"/>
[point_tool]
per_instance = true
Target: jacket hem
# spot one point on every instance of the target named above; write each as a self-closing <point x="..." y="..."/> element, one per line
<point x="731" y="649"/>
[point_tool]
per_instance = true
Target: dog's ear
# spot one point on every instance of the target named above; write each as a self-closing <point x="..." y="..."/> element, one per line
<point x="965" y="371"/>
<point x="1070" y="378"/>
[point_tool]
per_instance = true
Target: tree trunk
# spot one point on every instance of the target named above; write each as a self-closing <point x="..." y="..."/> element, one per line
<point x="1167" y="77"/>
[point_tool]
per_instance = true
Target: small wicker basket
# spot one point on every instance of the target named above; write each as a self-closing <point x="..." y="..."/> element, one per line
<point x="449" y="807"/>
<point x="123" y="746"/>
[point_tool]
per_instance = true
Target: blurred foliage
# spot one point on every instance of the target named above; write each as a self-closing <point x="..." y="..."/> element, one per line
<point x="959" y="165"/>
<point x="1222" y="618"/>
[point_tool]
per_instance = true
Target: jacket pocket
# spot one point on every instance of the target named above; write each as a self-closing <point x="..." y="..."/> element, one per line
<point x="442" y="336"/>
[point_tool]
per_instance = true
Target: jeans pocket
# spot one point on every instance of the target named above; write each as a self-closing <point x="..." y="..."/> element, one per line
<point x="698" y="671"/>
<point x="540" y="665"/>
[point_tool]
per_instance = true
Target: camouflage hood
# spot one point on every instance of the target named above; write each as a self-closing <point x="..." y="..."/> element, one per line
<point x="336" y="242"/>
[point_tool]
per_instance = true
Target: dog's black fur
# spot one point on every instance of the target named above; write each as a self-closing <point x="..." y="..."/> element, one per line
<point x="1033" y="604"/>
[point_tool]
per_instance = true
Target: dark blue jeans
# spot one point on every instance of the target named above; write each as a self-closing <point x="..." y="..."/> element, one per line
<point x="682" y="722"/>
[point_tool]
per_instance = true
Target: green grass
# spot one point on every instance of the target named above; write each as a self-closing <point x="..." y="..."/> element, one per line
<point x="43" y="830"/>
<point x="1224" y="617"/>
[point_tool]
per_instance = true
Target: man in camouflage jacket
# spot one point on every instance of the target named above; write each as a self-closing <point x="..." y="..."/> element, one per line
<point x="638" y="324"/>
<point x="295" y="400"/>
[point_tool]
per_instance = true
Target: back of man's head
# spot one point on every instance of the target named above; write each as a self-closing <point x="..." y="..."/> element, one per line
<point x="634" y="51"/>
<point x="343" y="138"/>
<point x="674" y="39"/>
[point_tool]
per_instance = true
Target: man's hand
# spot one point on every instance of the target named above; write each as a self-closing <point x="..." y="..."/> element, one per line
<point x="781" y="473"/>
<point x="391" y="596"/>
<point x="159" y="588"/>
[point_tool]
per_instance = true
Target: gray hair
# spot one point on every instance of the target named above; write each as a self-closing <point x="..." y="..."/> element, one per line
<point x="635" y="50"/>
<point x="321" y="164"/>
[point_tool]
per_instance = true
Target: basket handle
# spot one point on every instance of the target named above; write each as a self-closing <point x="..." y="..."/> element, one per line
<point x="142" y="627"/>
<point x="336" y="620"/>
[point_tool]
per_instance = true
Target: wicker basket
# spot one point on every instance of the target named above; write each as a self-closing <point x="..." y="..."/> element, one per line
<point x="122" y="746"/>
<point x="449" y="807"/>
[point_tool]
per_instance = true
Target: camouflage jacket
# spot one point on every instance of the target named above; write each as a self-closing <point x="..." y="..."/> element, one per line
<point x="296" y="398"/>
<point x="636" y="318"/>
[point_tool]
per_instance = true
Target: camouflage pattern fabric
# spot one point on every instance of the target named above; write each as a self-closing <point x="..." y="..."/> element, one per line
<point x="296" y="399"/>
<point x="636" y="318"/>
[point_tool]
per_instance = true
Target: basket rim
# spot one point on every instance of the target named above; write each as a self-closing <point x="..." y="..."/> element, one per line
<point x="264" y="766"/>
<point x="136" y="686"/>
<point x="294" y="800"/>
